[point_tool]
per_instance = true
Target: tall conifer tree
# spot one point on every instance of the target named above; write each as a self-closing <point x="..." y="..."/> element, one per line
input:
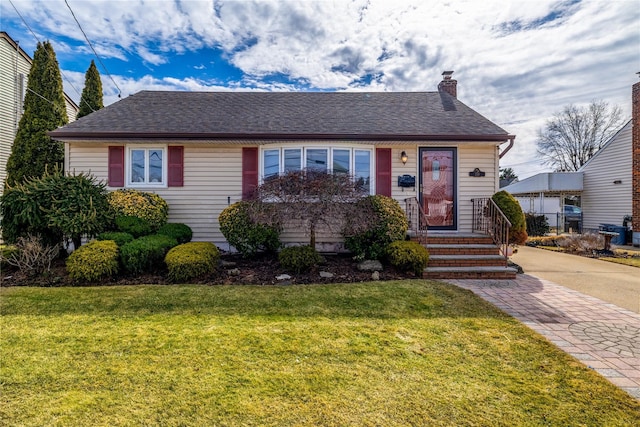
<point x="92" y="93"/>
<point x="44" y="110"/>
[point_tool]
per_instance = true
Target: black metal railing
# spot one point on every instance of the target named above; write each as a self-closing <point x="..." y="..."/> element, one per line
<point x="417" y="219"/>
<point x="489" y="219"/>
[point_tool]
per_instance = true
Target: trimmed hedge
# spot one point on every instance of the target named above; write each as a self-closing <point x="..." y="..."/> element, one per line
<point x="191" y="260"/>
<point x="148" y="206"/>
<point x="408" y="256"/>
<point x="120" y="237"/>
<point x="299" y="259"/>
<point x="181" y="232"/>
<point x="94" y="261"/>
<point x="133" y="225"/>
<point x="247" y="236"/>
<point x="146" y="254"/>
<point x="377" y="221"/>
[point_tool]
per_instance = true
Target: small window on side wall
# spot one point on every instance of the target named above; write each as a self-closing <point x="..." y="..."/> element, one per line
<point x="147" y="167"/>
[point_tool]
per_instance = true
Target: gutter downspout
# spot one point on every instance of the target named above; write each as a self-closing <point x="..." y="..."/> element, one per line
<point x="506" y="150"/>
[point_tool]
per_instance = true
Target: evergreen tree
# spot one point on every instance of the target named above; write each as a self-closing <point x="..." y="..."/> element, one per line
<point x="44" y="110"/>
<point x="91" y="99"/>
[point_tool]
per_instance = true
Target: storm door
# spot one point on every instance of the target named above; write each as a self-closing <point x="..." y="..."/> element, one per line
<point x="438" y="187"/>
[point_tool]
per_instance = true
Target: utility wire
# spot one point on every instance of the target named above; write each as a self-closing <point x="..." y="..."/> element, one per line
<point x="91" y="46"/>
<point x="38" y="40"/>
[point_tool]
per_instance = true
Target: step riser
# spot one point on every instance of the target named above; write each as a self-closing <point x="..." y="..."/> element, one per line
<point x="464" y="251"/>
<point x="469" y="275"/>
<point x="459" y="241"/>
<point x="467" y="263"/>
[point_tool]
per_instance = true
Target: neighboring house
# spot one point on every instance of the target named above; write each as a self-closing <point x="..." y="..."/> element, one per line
<point x="15" y="64"/>
<point x="606" y="194"/>
<point x="202" y="151"/>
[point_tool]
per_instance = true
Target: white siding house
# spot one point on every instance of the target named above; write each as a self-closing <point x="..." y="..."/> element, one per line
<point x="606" y="194"/>
<point x="15" y="64"/>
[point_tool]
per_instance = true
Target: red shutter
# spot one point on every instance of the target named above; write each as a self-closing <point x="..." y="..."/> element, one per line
<point x="383" y="171"/>
<point x="116" y="166"/>
<point x="176" y="166"/>
<point x="249" y="171"/>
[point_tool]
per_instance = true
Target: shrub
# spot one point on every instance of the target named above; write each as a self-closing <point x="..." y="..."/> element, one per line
<point x="375" y="223"/>
<point x="94" y="261"/>
<point x="537" y="225"/>
<point x="191" y="260"/>
<point x="244" y="234"/>
<point x="408" y="256"/>
<point x="6" y="252"/>
<point x="120" y="237"/>
<point x="133" y="225"/>
<point x="148" y="206"/>
<point x="299" y="259"/>
<point x="32" y="256"/>
<point x="512" y="210"/>
<point x="181" y="232"/>
<point x="146" y="253"/>
<point x="54" y="207"/>
<point x="581" y="243"/>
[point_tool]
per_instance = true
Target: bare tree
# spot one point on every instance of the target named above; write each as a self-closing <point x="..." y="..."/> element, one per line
<point x="311" y="196"/>
<point x="573" y="136"/>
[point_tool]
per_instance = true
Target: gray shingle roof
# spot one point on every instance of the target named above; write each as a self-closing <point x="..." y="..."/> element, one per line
<point x="211" y="115"/>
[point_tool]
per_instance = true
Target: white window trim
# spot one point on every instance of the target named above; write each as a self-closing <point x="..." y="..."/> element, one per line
<point x="165" y="164"/>
<point x="304" y="147"/>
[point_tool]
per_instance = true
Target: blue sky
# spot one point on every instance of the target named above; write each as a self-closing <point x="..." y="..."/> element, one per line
<point x="516" y="62"/>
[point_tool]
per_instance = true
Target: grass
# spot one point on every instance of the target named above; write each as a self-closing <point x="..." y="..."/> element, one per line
<point x="384" y="353"/>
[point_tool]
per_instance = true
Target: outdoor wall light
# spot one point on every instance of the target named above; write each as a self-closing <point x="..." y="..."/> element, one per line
<point x="404" y="157"/>
<point x="617" y="181"/>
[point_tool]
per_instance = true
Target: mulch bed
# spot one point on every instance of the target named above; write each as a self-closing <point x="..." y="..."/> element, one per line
<point x="234" y="271"/>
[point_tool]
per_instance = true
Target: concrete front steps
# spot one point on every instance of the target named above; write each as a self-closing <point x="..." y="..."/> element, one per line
<point x="465" y="256"/>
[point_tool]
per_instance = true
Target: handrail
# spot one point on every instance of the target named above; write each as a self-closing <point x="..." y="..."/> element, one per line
<point x="489" y="219"/>
<point x="416" y="218"/>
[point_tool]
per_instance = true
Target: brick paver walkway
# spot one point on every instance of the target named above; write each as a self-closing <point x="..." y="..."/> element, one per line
<point x="601" y="335"/>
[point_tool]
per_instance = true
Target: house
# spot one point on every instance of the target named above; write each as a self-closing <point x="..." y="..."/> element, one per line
<point x="15" y="64"/>
<point x="202" y="151"/>
<point x="606" y="194"/>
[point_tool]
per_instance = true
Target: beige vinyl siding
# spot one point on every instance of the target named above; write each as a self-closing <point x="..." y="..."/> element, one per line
<point x="604" y="202"/>
<point x="485" y="158"/>
<point x="12" y="65"/>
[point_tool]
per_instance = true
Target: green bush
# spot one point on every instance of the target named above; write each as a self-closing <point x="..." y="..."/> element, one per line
<point x="54" y="207"/>
<point x="299" y="259"/>
<point x="148" y="206"/>
<point x="537" y="225"/>
<point x="247" y="236"/>
<point x="120" y="237"/>
<point x="191" y="260"/>
<point x="512" y="210"/>
<point x="94" y="261"/>
<point x="146" y="254"/>
<point x="133" y="225"/>
<point x="408" y="256"/>
<point x="181" y="232"/>
<point x="375" y="223"/>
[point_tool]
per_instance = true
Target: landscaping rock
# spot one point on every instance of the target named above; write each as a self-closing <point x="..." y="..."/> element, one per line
<point x="234" y="272"/>
<point x="326" y="275"/>
<point x="370" y="265"/>
<point x="227" y="264"/>
<point x="375" y="276"/>
<point x="283" y="277"/>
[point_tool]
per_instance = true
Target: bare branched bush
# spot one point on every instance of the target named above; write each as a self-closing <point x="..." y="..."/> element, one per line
<point x="581" y="243"/>
<point x="32" y="256"/>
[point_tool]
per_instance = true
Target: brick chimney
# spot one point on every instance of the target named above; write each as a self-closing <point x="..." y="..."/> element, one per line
<point x="635" y="192"/>
<point x="448" y="84"/>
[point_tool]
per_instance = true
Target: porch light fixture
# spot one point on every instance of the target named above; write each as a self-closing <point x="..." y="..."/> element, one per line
<point x="404" y="157"/>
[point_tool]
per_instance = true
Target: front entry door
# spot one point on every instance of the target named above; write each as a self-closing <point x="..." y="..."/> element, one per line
<point x="438" y="187"/>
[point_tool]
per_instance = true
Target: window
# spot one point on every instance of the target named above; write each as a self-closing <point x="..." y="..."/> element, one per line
<point x="346" y="160"/>
<point x="147" y="167"/>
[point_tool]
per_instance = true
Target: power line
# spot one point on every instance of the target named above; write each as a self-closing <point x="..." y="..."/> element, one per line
<point x="40" y="42"/>
<point x="91" y="46"/>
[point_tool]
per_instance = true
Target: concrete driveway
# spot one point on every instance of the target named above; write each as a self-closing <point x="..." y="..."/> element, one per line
<point x="614" y="283"/>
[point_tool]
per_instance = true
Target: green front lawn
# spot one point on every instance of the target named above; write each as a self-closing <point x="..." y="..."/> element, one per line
<point x="385" y="353"/>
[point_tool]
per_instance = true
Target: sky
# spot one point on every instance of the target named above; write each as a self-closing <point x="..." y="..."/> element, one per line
<point x="516" y="62"/>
